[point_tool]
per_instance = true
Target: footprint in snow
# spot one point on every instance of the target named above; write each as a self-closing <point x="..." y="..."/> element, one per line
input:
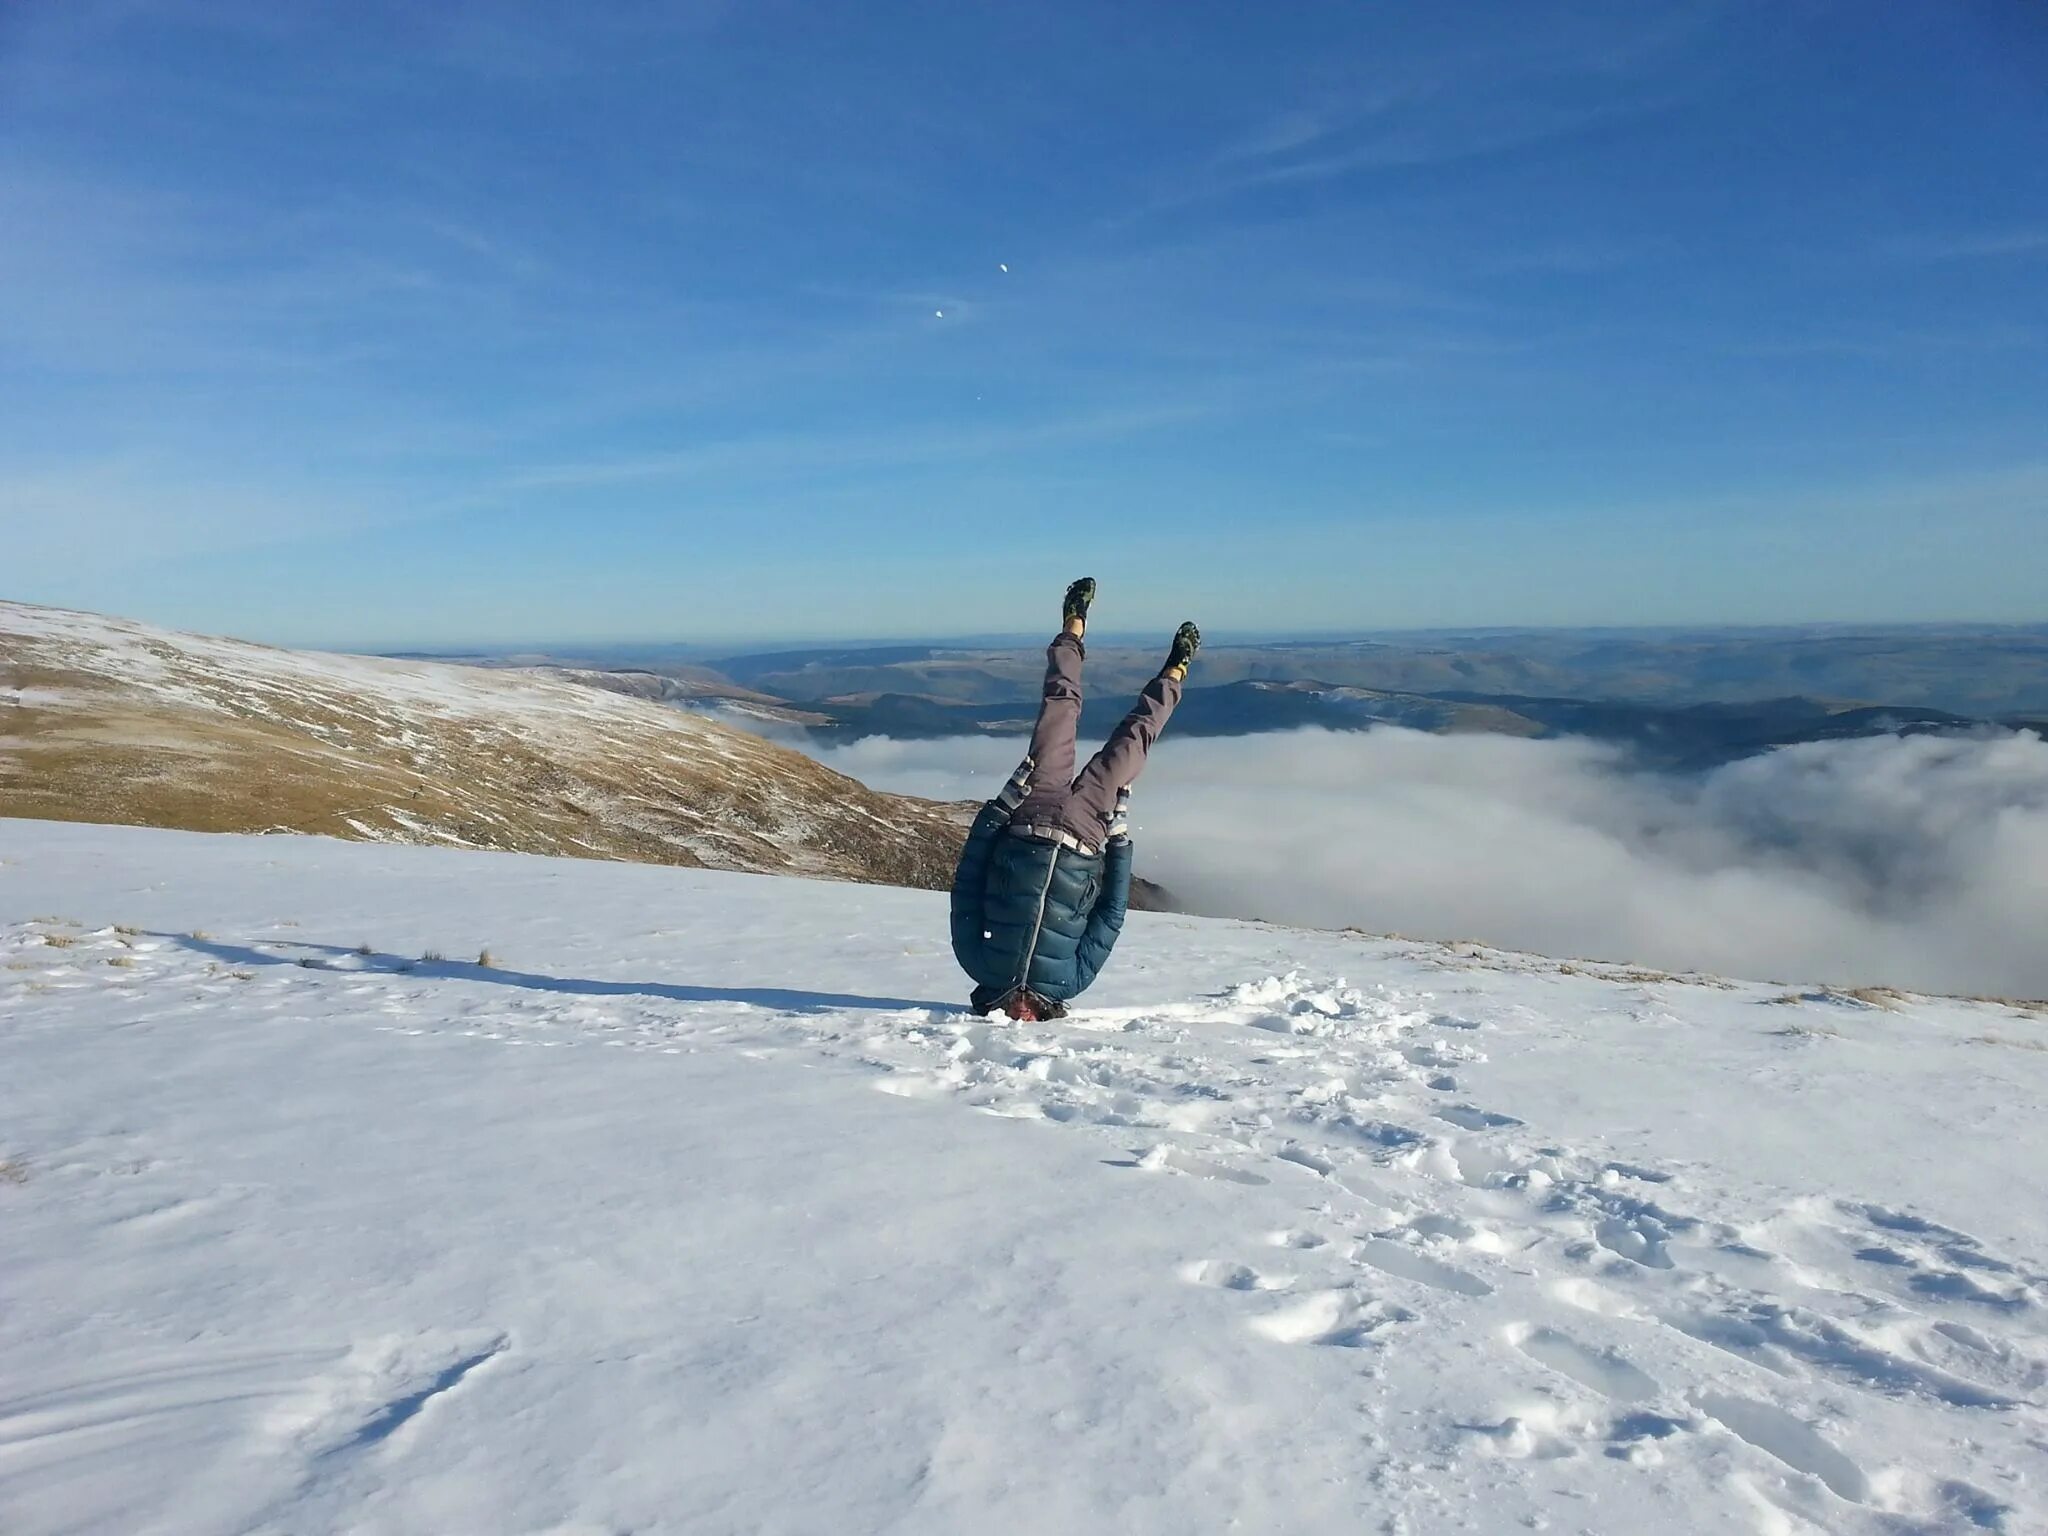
<point x="1407" y="1263"/>
<point x="1453" y="1229"/>
<point x="1233" y="1277"/>
<point x="1165" y="1159"/>
<point x="1467" y="1117"/>
<point x="1790" y="1440"/>
<point x="1598" y="1370"/>
<point x="1847" y="1245"/>
<point x="1343" y="1319"/>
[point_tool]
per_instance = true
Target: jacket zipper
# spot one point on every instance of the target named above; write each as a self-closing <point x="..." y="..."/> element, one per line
<point x="1038" y="927"/>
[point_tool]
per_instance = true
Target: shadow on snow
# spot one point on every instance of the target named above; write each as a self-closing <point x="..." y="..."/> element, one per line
<point x="327" y="956"/>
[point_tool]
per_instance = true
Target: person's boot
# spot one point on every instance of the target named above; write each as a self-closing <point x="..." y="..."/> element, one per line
<point x="1186" y="641"/>
<point x="1074" y="607"/>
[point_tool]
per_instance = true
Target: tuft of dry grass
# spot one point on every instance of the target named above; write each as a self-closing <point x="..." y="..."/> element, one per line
<point x="123" y="961"/>
<point x="485" y="959"/>
<point x="432" y="957"/>
<point x="125" y="931"/>
<point x="1815" y="1031"/>
<point x="364" y="949"/>
<point x="12" y="1172"/>
<point x="312" y="963"/>
<point x="200" y="935"/>
<point x="2021" y="1005"/>
<point x="1890" y="999"/>
<point x="60" y="940"/>
<point x="61" y="922"/>
<point x="2018" y="1045"/>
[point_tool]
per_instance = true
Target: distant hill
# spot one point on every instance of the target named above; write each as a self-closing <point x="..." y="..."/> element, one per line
<point x="1677" y="699"/>
<point x="1979" y="672"/>
<point x="110" y="721"/>
<point x="1684" y="736"/>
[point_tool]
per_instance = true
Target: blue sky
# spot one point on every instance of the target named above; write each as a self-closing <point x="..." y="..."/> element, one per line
<point x="393" y="324"/>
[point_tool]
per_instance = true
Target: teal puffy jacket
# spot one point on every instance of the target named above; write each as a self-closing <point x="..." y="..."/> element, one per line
<point x="1033" y="914"/>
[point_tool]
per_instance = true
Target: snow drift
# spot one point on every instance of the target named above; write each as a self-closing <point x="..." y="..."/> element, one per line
<point x="704" y="1209"/>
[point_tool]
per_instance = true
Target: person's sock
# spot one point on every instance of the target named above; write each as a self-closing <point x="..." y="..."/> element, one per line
<point x="1075" y="605"/>
<point x="1186" y="641"/>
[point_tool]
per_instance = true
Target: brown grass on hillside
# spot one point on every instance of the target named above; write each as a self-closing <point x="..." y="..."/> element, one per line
<point x="238" y="741"/>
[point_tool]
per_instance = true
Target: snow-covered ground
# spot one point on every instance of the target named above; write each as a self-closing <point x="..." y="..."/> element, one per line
<point x="706" y="1209"/>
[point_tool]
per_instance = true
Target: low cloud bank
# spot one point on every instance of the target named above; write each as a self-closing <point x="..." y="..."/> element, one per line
<point x="1915" y="862"/>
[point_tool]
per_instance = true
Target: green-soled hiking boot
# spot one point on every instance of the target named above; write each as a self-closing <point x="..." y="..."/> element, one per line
<point x="1075" y="604"/>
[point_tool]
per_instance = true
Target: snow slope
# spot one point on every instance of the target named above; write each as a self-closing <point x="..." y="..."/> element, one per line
<point x="705" y="1209"/>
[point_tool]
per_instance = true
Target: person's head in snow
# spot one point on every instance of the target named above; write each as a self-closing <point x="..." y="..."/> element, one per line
<point x="1045" y="879"/>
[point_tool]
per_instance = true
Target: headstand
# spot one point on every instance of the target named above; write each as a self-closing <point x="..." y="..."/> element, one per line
<point x="1044" y="881"/>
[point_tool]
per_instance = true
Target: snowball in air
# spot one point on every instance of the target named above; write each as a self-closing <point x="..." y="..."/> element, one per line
<point x="940" y="313"/>
<point x="1003" y="266"/>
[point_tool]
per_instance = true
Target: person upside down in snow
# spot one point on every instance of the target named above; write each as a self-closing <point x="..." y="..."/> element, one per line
<point x="1043" y="884"/>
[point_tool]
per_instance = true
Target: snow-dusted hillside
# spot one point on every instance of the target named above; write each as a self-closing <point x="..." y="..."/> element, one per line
<point x="705" y="1209"/>
<point x="103" y="719"/>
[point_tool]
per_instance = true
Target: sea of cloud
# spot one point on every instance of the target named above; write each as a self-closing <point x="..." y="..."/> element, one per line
<point x="1913" y="862"/>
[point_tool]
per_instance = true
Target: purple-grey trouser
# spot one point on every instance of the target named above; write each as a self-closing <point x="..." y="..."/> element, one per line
<point x="1081" y="804"/>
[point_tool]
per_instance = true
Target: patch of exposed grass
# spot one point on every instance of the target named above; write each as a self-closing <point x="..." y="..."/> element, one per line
<point x="432" y="957"/>
<point x="1815" y="1031"/>
<point x="122" y="961"/>
<point x="2018" y="1045"/>
<point x="12" y="1172"/>
<point x="485" y="958"/>
<point x="2031" y="1006"/>
<point x="1890" y="999"/>
<point x="60" y="940"/>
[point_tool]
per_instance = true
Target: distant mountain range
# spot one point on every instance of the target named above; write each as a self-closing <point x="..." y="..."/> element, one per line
<point x="1975" y="671"/>
<point x="1678" y="700"/>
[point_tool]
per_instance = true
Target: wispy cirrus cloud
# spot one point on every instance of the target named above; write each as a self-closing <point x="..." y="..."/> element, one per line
<point x="1970" y="245"/>
<point x="1458" y="96"/>
<point x="784" y="455"/>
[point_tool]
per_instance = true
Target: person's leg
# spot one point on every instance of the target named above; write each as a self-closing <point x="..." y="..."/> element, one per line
<point x="1059" y="717"/>
<point x="1059" y="712"/>
<point x="1122" y="757"/>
